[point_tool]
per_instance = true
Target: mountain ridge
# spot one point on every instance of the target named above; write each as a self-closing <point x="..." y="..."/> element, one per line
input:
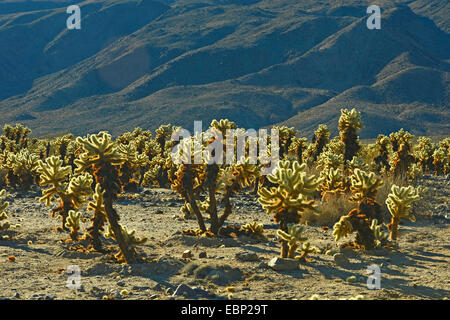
<point x="258" y="63"/>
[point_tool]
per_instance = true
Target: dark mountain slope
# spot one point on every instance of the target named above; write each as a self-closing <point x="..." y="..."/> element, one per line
<point x="258" y="63"/>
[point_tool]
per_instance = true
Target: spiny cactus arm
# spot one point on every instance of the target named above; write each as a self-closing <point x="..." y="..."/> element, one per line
<point x="380" y="235"/>
<point x="364" y="185"/>
<point x="342" y="228"/>
<point x="399" y="203"/>
<point x="3" y="205"/>
<point x="98" y="148"/>
<point x="52" y="173"/>
<point x="79" y="188"/>
<point x="73" y="222"/>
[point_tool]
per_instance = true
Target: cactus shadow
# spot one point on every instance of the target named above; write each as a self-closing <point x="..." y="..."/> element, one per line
<point x="24" y="247"/>
<point x="420" y="291"/>
<point x="259" y="250"/>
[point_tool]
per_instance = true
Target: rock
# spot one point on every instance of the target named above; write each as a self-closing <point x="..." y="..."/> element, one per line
<point x="16" y="295"/>
<point x="351" y="279"/>
<point x="246" y="256"/>
<point x="340" y="259"/>
<point x="186" y="254"/>
<point x="202" y="254"/>
<point x="153" y="297"/>
<point x="348" y="252"/>
<point x="121" y="283"/>
<point x="281" y="264"/>
<point x="183" y="290"/>
<point x="159" y="211"/>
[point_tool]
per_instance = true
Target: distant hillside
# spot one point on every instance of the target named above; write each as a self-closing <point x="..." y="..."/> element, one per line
<point x="258" y="63"/>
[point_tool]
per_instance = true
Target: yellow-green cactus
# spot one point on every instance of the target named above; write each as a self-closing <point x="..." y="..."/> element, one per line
<point x="129" y="237"/>
<point x="22" y="168"/>
<point x="399" y="203"/>
<point x="73" y="222"/>
<point x="292" y="196"/>
<point x="364" y="185"/>
<point x="380" y="235"/>
<point x="293" y="237"/>
<point x="349" y="124"/>
<point x="72" y="195"/>
<point x="3" y="217"/>
<point x="342" y="228"/>
<point x="254" y="230"/>
<point x="333" y="182"/>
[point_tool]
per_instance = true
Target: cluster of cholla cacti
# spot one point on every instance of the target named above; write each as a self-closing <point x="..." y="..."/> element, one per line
<point x="77" y="173"/>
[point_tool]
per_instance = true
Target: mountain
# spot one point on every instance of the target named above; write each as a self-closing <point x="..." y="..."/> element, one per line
<point x="258" y="63"/>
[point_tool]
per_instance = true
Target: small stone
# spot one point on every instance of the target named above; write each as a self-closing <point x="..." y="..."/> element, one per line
<point x="281" y="264"/>
<point x="340" y="259"/>
<point x="246" y="256"/>
<point x="187" y="254"/>
<point x="203" y="254"/>
<point x="121" y="283"/>
<point x="153" y="297"/>
<point x="16" y="295"/>
<point x="351" y="279"/>
<point x="159" y="211"/>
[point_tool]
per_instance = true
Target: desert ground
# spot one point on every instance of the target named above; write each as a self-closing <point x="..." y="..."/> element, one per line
<point x="34" y="258"/>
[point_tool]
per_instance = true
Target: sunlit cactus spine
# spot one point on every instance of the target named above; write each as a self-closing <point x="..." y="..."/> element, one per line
<point x="3" y="217"/>
<point x="73" y="222"/>
<point x="364" y="189"/>
<point x="102" y="158"/>
<point x="320" y="140"/>
<point x="253" y="230"/>
<point x="382" y="160"/>
<point x="292" y="195"/>
<point x="71" y="193"/>
<point x="294" y="237"/>
<point x="399" y="203"/>
<point x="349" y="124"/>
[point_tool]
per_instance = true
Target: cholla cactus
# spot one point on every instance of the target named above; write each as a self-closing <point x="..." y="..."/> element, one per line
<point x="424" y="153"/>
<point x="320" y="140"/>
<point x="291" y="197"/>
<point x="356" y="163"/>
<point x="22" y="168"/>
<point x="440" y="161"/>
<point x="191" y="178"/>
<point x="379" y="235"/>
<point x="342" y="228"/>
<point x="72" y="195"/>
<point x="286" y="136"/>
<point x="73" y="222"/>
<point x="328" y="160"/>
<point x="129" y="237"/>
<point x="102" y="157"/>
<point x="382" y="160"/>
<point x="3" y="217"/>
<point x="364" y="188"/>
<point x="297" y="148"/>
<point x="401" y="143"/>
<point x="292" y="237"/>
<point x="333" y="182"/>
<point x="254" y="230"/>
<point x="349" y="124"/>
<point x="399" y="203"/>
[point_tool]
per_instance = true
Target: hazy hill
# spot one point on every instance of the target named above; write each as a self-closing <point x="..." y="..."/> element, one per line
<point x="259" y="63"/>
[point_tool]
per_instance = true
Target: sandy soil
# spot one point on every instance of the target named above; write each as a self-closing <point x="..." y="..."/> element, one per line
<point x="418" y="269"/>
